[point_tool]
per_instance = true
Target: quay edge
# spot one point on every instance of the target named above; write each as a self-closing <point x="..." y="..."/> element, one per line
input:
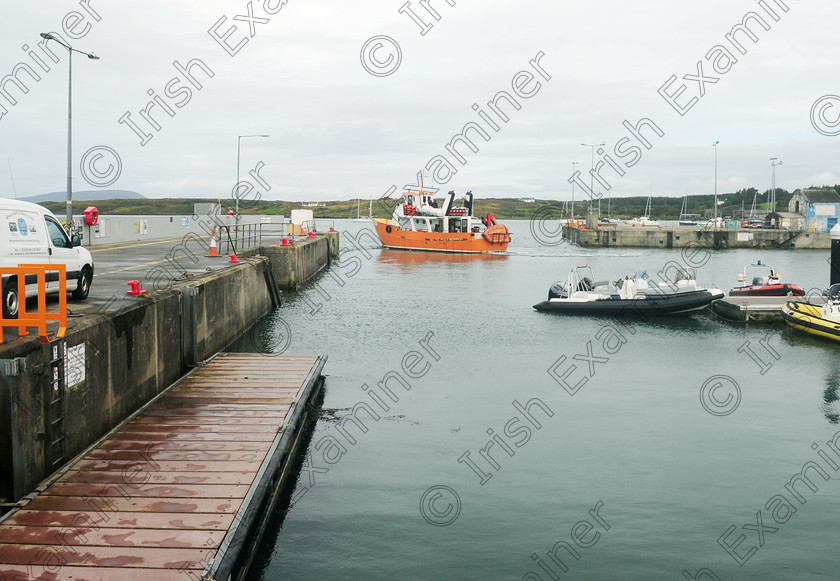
<point x="653" y="237"/>
<point x="129" y="356"/>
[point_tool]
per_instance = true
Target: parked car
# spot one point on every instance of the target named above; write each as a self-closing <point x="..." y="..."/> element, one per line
<point x="31" y="234"/>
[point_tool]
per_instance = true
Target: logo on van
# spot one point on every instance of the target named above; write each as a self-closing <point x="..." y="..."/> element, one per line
<point x="22" y="227"/>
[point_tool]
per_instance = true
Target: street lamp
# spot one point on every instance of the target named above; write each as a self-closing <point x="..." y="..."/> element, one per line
<point x="592" y="173"/>
<point x="90" y="55"/>
<point x="238" y="149"/>
<point x="773" y="164"/>
<point x="715" y="144"/>
<point x="574" y="170"/>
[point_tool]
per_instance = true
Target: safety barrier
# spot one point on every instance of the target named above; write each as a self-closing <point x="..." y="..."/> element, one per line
<point x="37" y="319"/>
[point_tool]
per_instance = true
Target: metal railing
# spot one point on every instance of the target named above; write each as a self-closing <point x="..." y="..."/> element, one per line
<point x="240" y="237"/>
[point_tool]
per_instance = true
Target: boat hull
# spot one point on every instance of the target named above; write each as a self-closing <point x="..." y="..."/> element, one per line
<point x="664" y="304"/>
<point x="768" y="290"/>
<point x="805" y="317"/>
<point x="496" y="239"/>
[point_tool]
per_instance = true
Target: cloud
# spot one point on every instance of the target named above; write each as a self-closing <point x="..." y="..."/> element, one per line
<point x="335" y="128"/>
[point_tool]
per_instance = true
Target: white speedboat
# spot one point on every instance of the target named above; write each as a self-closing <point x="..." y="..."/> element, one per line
<point x="645" y="220"/>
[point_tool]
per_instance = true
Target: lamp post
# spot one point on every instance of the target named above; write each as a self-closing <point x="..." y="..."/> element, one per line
<point x="90" y="55"/>
<point x="592" y="173"/>
<point x="773" y="164"/>
<point x="715" y="144"/>
<point x="236" y="187"/>
<point x="574" y="169"/>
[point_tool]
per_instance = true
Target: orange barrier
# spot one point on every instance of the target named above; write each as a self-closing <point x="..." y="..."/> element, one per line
<point x="38" y="319"/>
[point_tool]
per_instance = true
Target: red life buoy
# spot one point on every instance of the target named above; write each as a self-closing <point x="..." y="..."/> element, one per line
<point x="91" y="216"/>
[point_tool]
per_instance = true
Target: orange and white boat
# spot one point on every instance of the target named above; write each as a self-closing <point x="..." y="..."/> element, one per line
<point x="419" y="223"/>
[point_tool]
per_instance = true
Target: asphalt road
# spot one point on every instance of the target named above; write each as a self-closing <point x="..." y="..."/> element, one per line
<point x="156" y="264"/>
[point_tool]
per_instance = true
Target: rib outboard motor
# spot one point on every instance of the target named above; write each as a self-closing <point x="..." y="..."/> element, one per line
<point x="557" y="291"/>
<point x="468" y="202"/>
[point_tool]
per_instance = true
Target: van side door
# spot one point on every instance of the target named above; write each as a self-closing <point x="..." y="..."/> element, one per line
<point x="61" y="252"/>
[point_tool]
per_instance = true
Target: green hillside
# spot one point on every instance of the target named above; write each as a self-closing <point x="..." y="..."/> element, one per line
<point x="662" y="208"/>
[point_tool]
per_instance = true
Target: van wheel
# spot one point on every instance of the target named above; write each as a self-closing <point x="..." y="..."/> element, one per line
<point x="83" y="288"/>
<point x="10" y="298"/>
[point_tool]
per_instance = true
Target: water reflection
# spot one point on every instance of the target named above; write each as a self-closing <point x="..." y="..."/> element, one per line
<point x="831" y="396"/>
<point x="390" y="256"/>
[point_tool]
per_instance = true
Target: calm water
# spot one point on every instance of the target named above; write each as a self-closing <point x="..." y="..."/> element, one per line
<point x="663" y="477"/>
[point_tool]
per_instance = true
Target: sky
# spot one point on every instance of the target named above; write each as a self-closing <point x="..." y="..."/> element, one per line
<point x="359" y="97"/>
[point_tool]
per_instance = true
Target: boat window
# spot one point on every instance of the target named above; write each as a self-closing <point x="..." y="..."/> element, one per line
<point x="464" y="226"/>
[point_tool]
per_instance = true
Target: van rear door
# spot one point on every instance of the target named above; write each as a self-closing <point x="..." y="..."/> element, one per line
<point x="23" y="238"/>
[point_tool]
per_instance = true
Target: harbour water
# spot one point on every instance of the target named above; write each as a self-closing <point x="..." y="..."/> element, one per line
<point x="619" y="451"/>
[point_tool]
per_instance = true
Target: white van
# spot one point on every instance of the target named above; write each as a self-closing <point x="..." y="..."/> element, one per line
<point x="31" y="234"/>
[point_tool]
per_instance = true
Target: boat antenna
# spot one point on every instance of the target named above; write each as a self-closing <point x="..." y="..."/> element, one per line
<point x="11" y="175"/>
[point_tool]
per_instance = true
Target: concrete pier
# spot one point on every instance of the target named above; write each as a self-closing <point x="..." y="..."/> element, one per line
<point x="662" y="237"/>
<point x="58" y="398"/>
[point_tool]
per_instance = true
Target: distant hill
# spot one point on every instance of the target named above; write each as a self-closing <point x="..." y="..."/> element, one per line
<point x="86" y="196"/>
<point x="662" y="208"/>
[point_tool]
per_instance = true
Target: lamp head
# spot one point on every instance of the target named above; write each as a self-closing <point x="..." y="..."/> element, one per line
<point x="92" y="56"/>
<point x="47" y="35"/>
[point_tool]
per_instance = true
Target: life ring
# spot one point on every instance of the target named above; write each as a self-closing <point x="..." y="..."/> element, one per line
<point x="91" y="216"/>
<point x="388" y="228"/>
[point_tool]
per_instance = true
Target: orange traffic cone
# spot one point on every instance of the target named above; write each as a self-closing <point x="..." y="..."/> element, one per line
<point x="213" y="250"/>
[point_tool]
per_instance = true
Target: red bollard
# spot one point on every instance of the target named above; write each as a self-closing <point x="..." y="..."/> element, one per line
<point x="135" y="288"/>
<point x="311" y="235"/>
<point x="285" y="242"/>
<point x="332" y="229"/>
<point x="233" y="259"/>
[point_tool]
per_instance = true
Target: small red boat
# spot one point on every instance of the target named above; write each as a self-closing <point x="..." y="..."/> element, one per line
<point x="764" y="282"/>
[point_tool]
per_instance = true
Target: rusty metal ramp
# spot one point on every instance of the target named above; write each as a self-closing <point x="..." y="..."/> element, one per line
<point x="177" y="489"/>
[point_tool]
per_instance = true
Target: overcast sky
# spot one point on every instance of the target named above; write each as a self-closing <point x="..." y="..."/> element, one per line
<point x="338" y="132"/>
